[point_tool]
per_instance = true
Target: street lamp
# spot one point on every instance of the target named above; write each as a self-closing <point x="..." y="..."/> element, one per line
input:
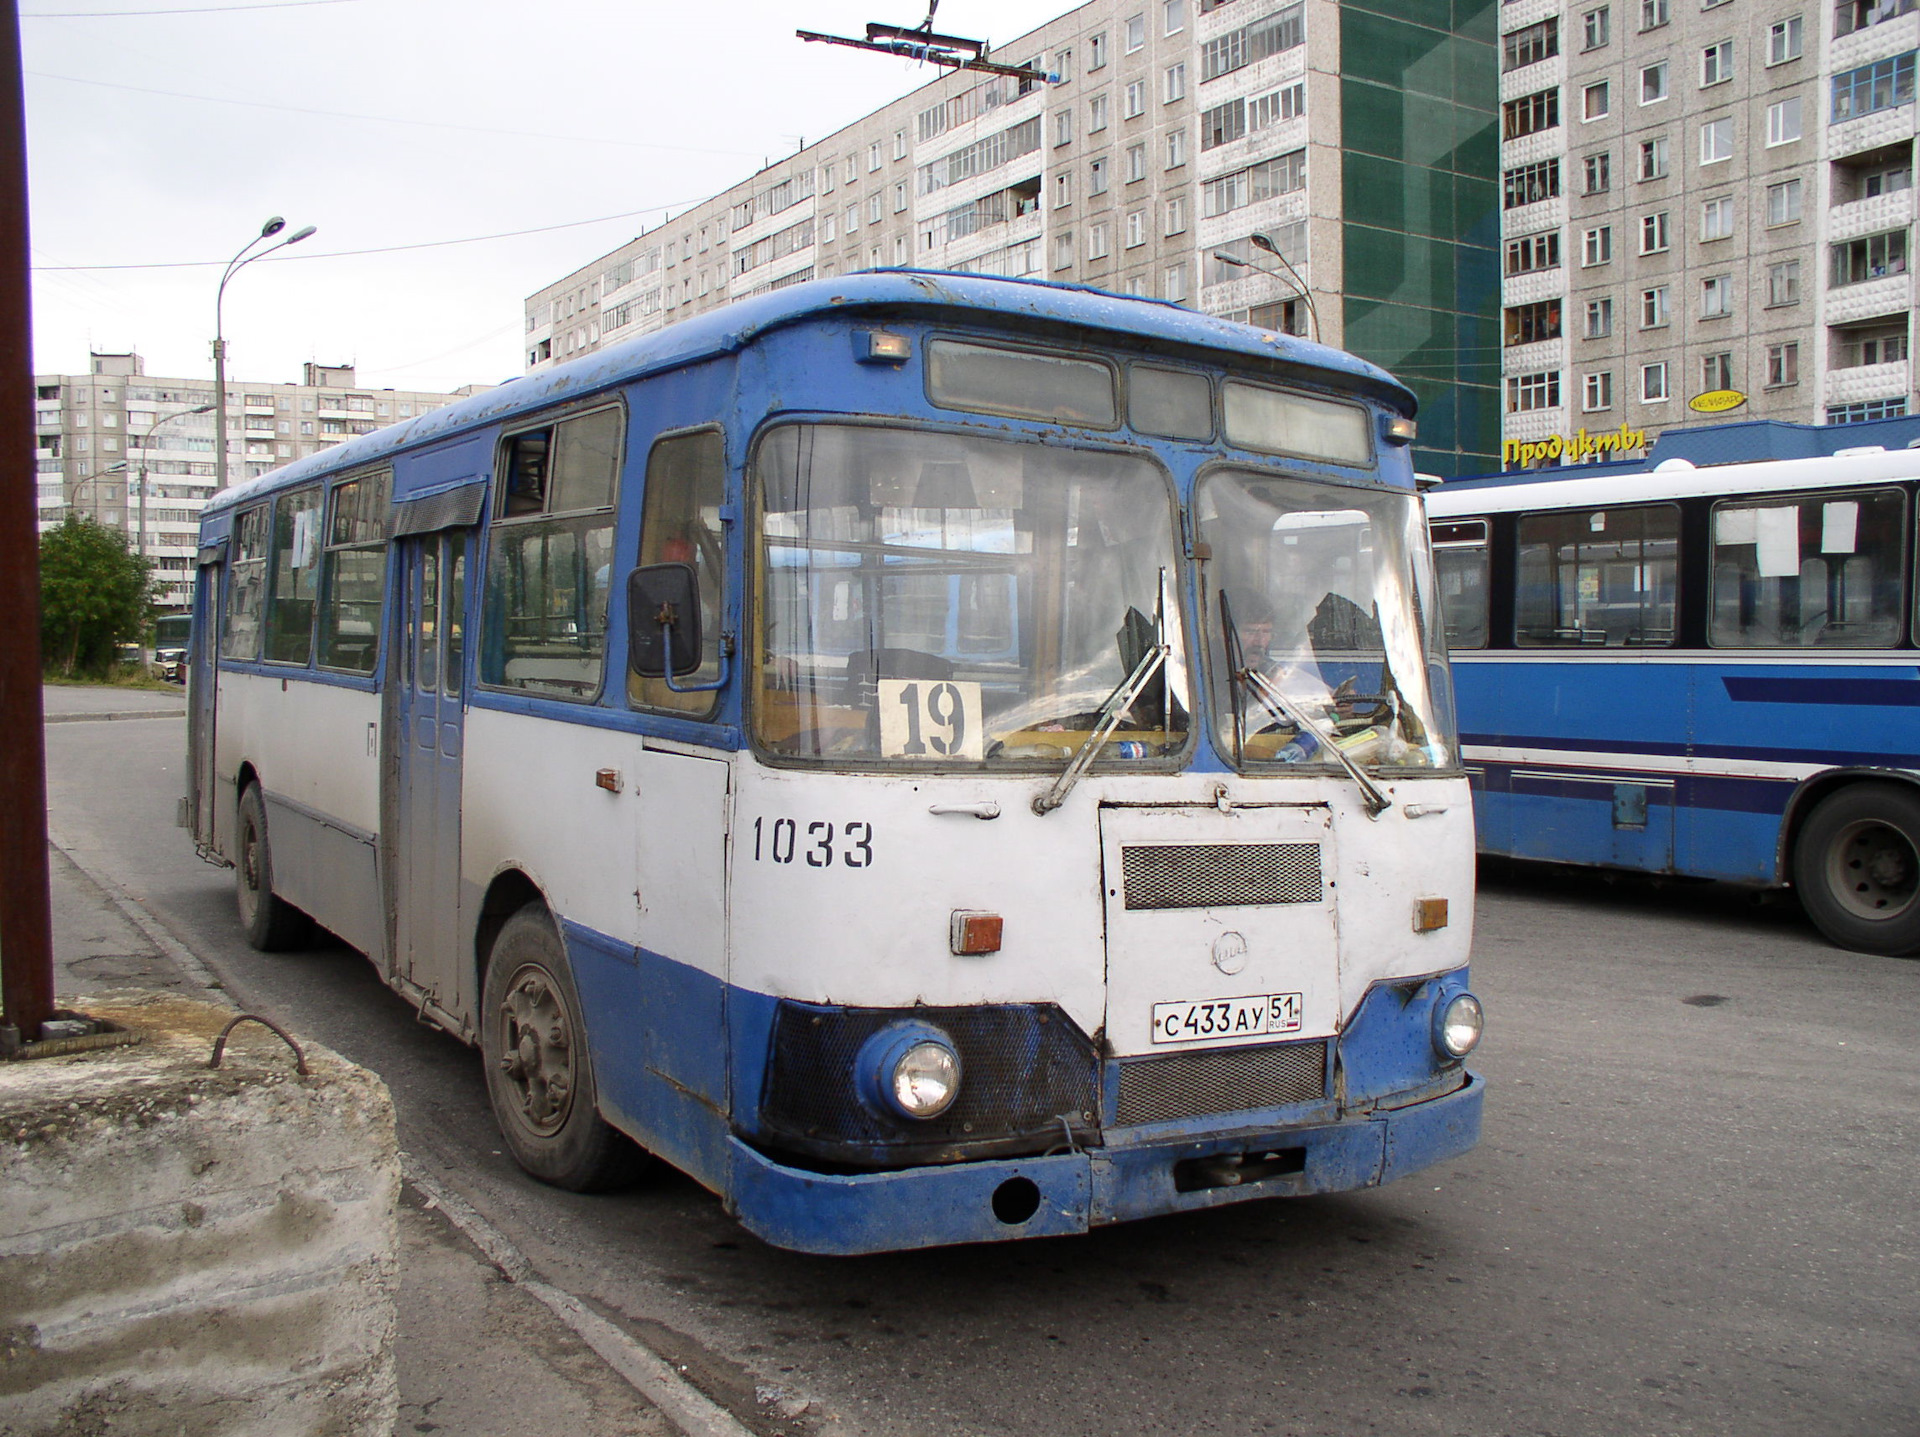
<point x="1265" y="241"/>
<point x="267" y="231"/>
<point x="146" y="441"/>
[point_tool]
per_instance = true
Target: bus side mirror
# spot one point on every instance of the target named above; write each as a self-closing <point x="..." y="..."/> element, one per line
<point x="663" y="620"/>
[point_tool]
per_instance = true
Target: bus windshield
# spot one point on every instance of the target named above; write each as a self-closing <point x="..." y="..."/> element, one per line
<point x="1330" y="592"/>
<point x="929" y="598"/>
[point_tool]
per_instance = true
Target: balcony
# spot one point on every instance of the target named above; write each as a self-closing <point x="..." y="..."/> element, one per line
<point x="1870" y="216"/>
<point x="1852" y="303"/>
<point x="1868" y="381"/>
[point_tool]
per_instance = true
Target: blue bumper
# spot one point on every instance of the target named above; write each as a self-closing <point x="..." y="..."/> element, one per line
<point x="934" y="1206"/>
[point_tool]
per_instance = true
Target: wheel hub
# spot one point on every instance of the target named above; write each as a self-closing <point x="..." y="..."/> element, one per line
<point x="1875" y="871"/>
<point x="537" y="1049"/>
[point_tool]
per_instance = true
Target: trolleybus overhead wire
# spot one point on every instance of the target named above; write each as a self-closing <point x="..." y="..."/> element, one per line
<point x="954" y="52"/>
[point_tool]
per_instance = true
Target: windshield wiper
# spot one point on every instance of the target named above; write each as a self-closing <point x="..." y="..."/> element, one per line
<point x="1111" y="712"/>
<point x="1375" y="800"/>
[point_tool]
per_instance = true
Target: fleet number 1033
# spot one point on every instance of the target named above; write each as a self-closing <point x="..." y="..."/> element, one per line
<point x="818" y="845"/>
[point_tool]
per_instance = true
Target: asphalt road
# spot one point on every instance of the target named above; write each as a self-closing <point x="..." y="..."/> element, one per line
<point x="1695" y="1207"/>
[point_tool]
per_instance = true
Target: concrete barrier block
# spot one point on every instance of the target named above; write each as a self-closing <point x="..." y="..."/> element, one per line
<point x="189" y="1251"/>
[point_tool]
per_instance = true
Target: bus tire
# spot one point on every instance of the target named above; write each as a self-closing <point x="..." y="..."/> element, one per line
<point x="272" y="924"/>
<point x="539" y="1064"/>
<point x="1856" y="865"/>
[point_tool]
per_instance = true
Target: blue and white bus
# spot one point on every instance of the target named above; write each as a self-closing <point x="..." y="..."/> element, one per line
<point x="802" y="745"/>
<point x="1703" y="671"/>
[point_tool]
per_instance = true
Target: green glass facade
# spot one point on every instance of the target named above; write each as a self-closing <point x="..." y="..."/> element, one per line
<point x="1420" y="151"/>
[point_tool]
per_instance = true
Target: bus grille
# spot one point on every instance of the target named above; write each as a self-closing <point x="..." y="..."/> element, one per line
<point x="1221" y="1080"/>
<point x="1024" y="1066"/>
<point x="1212" y="875"/>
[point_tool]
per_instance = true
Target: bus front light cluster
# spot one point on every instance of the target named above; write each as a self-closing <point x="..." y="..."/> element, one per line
<point x="910" y="1069"/>
<point x="1457" y="1025"/>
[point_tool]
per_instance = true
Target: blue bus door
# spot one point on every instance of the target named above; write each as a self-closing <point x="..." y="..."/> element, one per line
<point x="202" y="669"/>
<point x="429" y="733"/>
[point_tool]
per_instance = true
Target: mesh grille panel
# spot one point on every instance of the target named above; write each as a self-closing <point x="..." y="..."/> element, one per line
<point x="1223" y="1080"/>
<point x="1210" y="875"/>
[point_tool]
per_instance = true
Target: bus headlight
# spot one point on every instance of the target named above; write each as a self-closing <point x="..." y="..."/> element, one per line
<point x="912" y="1069"/>
<point x="1457" y="1025"/>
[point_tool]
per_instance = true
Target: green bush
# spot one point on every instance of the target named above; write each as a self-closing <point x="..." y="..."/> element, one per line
<point x="95" y="593"/>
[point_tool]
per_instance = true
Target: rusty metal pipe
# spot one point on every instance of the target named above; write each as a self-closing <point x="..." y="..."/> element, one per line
<point x="26" y="927"/>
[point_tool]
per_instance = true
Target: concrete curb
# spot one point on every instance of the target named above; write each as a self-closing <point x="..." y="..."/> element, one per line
<point x="109" y="718"/>
<point x="688" y="1409"/>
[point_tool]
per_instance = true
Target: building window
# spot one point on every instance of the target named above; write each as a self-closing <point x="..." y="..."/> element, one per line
<point x="1136" y="32"/>
<point x="1173" y="284"/>
<point x="1063" y="189"/>
<point x="1599" y="318"/>
<point x="1527" y="392"/>
<point x="1063" y="250"/>
<point x="1529" y="184"/>
<point x="1653" y="83"/>
<point x="1282" y="175"/>
<point x="1653" y="233"/>
<point x="1884" y="342"/>
<point x="1097" y="52"/>
<point x="1596" y="246"/>
<point x="1173" y="20"/>
<point x="1176" y="149"/>
<point x="1716" y="141"/>
<point x="1136" y="229"/>
<point x="1716" y="371"/>
<point x="1596" y="28"/>
<point x="1716" y="297"/>
<point x="1289" y="102"/>
<point x="1653" y="382"/>
<point x="899" y="149"/>
<point x="1097" y="177"/>
<point x="1174" y="83"/>
<point x="1177" y="215"/>
<point x="1096" y="114"/>
<point x="1716" y="64"/>
<point x="1596" y="391"/>
<point x="1783" y="283"/>
<point x="1784" y="41"/>
<point x="1531" y="45"/>
<point x="1783" y="203"/>
<point x="1532" y="253"/>
<point x="1134" y="101"/>
<point x="1599" y="173"/>
<point x="1136" y="162"/>
<point x="1596" y="101"/>
<point x="1653" y="158"/>
<point x="1886" y="179"/>
<point x="1872" y="88"/>
<point x="1099" y="241"/>
<point x="1716" y="219"/>
<point x="1654" y="313"/>
<point x="899" y="197"/>
<point x="1783" y="364"/>
<point x="1783" y="121"/>
<point x="1530" y="114"/>
<point x="1531" y="323"/>
<point x="1653" y="14"/>
<point x="1870" y="257"/>
<point x="1223" y="124"/>
<point x="873" y="208"/>
<point x="873" y="163"/>
<point x="1869" y="409"/>
<point x="1063" y="127"/>
<point x="1851" y="15"/>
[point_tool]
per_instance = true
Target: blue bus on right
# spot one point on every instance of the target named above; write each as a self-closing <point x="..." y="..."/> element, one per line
<point x="1705" y="671"/>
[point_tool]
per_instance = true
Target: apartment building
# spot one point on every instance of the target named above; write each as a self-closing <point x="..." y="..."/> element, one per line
<point x="97" y="431"/>
<point x="1360" y="138"/>
<point x="1706" y="204"/>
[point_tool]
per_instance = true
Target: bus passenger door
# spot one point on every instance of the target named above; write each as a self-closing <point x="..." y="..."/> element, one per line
<point x="428" y="734"/>
<point x="202" y="668"/>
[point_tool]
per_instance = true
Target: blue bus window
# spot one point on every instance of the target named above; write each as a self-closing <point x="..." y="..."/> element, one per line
<point x="1169" y="402"/>
<point x="246" y="585"/>
<point x="1819" y="570"/>
<point x="294" y="580"/>
<point x="992" y="380"/>
<point x="1272" y="421"/>
<point x="1601" y="577"/>
<point x="1460" y="564"/>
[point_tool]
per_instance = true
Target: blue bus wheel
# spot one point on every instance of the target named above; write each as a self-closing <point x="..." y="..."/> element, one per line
<point x="540" y="1065"/>
<point x="1856" y="865"/>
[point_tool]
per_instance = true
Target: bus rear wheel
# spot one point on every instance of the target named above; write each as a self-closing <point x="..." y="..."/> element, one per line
<point x="539" y="1066"/>
<point x="272" y="924"/>
<point x="1856" y="865"/>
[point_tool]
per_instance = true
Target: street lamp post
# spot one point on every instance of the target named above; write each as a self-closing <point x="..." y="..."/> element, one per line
<point x="1262" y="240"/>
<point x="146" y="442"/>
<point x="267" y="231"/>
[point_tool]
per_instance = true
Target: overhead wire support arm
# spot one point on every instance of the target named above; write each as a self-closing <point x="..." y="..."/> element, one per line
<point x="954" y="52"/>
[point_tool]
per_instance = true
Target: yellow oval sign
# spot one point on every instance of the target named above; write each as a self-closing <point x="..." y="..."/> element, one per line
<point x="1717" y="401"/>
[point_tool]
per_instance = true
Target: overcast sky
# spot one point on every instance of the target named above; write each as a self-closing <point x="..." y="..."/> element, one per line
<point x="165" y="139"/>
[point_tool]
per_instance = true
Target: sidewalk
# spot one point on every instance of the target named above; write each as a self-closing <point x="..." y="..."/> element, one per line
<point x="478" y="1356"/>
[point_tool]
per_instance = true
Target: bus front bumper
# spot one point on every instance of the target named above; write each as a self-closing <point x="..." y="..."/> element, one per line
<point x="841" y="1215"/>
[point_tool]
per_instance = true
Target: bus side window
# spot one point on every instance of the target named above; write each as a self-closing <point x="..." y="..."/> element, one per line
<point x="1460" y="568"/>
<point x="686" y="486"/>
<point x="1599" y="577"/>
<point x="354" y="574"/>
<point x="246" y="585"/>
<point x="1815" y="570"/>
<point x="551" y="561"/>
<point x="293" y="579"/>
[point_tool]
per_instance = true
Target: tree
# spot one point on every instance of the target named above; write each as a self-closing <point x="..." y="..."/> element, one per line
<point x="94" y="594"/>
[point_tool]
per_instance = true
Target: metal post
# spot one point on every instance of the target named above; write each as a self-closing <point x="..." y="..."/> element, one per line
<point x="219" y="402"/>
<point x="26" y="925"/>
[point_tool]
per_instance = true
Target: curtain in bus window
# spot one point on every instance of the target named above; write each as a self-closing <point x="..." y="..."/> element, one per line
<point x="680" y="524"/>
<point x="1816" y="570"/>
<point x="246" y="585"/>
<point x="550" y="567"/>
<point x="1601" y="577"/>
<point x="353" y="582"/>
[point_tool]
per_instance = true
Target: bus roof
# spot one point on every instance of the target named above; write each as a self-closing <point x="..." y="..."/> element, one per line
<point x="895" y="291"/>
<point x="1674" y="479"/>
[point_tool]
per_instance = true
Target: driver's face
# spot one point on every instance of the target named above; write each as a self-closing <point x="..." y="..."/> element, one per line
<point x="1256" y="637"/>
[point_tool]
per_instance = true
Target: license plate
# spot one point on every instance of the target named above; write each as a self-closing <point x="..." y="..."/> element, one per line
<point x="1227" y="1018"/>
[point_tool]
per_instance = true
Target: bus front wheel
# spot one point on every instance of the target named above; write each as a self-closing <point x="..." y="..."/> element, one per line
<point x="539" y="1067"/>
<point x="272" y="924"/>
<point x="1856" y="865"/>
